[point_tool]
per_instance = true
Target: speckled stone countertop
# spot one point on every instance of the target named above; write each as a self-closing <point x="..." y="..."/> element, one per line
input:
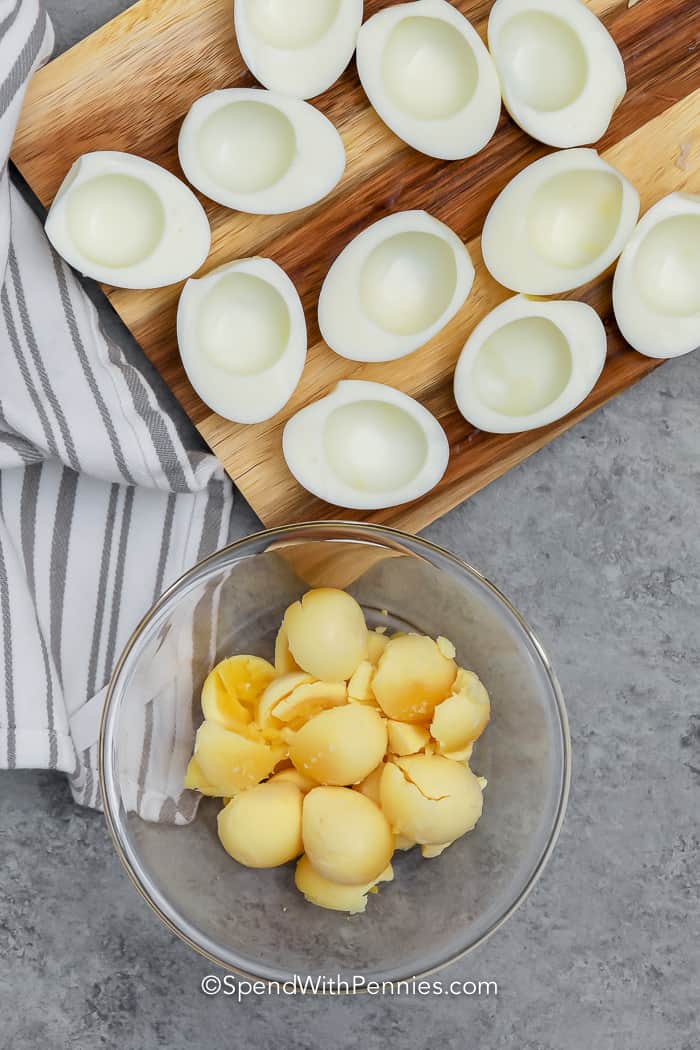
<point x="596" y="540"/>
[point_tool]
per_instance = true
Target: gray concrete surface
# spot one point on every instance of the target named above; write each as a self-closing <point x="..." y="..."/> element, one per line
<point x="596" y="540"/>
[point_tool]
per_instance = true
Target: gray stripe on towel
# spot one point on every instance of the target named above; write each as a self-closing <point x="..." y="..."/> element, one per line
<point x="29" y="501"/>
<point x="39" y="363"/>
<point x="87" y="370"/>
<point x="23" y="63"/>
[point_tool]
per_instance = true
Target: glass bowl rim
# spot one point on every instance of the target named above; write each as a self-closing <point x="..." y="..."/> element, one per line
<point x="362" y="530"/>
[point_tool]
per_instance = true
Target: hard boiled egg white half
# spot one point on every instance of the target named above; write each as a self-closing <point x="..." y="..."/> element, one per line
<point x="560" y="223"/>
<point x="529" y="363"/>
<point x="366" y="446"/>
<point x="260" y="152"/>
<point x="394" y="287"/>
<point x="297" y="47"/>
<point x="127" y="222"/>
<point x="656" y="292"/>
<point x="242" y="338"/>
<point x="562" y="76"/>
<point x="428" y="75"/>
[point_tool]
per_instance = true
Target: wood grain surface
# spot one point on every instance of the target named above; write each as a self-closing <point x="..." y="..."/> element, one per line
<point x="128" y="87"/>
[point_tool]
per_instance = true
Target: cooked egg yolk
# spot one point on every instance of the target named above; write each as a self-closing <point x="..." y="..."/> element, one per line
<point x="346" y="836"/>
<point x="231" y="761"/>
<point x="341" y="770"/>
<point x="261" y="828"/>
<point x="327" y="634"/>
<point x="412" y="677"/>
<point x="341" y="746"/>
<point x="334" y="895"/>
<point x="430" y="799"/>
<point x="231" y="691"/>
<point x="462" y="718"/>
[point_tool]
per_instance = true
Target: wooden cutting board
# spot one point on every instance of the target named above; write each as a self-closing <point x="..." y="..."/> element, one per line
<point x="128" y="87"/>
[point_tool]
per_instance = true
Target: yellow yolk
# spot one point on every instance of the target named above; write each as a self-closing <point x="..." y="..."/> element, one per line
<point x="461" y="719"/>
<point x="284" y="661"/>
<point x="261" y="827"/>
<point x="327" y="634"/>
<point x="405" y="738"/>
<point x="430" y="799"/>
<point x="277" y="690"/>
<point x="231" y="761"/>
<point x="346" y="837"/>
<point x="309" y="699"/>
<point x="341" y="746"/>
<point x="333" y="895"/>
<point x="412" y="677"/>
<point x="353" y="745"/>
<point x="360" y="685"/>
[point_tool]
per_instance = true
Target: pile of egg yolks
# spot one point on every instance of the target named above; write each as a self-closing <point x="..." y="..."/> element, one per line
<point x="350" y="745"/>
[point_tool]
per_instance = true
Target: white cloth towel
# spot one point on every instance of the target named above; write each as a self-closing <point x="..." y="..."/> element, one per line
<point x="101" y="504"/>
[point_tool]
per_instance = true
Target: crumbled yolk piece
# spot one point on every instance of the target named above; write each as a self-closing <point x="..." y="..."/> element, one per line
<point x="218" y="705"/>
<point x="308" y="700"/>
<point x="434" y="851"/>
<point x="293" y="776"/>
<point x="333" y="895"/>
<point x="461" y="719"/>
<point x="246" y="677"/>
<point x="360" y="685"/>
<point x="354" y="744"/>
<point x="446" y="647"/>
<point x="463" y="755"/>
<point x="405" y="738"/>
<point x="284" y="661"/>
<point x="276" y="691"/>
<point x="377" y="641"/>
<point x="196" y="781"/>
<point x="370" y="785"/>
<point x="232" y="689"/>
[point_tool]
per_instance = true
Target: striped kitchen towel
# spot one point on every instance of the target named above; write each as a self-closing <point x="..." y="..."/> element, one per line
<point x="101" y="503"/>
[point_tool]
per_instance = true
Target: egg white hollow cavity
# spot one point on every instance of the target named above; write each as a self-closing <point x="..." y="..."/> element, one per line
<point x="297" y="47"/>
<point x="560" y="223"/>
<point x="394" y="287"/>
<point x="562" y="75"/>
<point x="529" y="363"/>
<point x="656" y="291"/>
<point x="127" y="222"/>
<point x="430" y="78"/>
<point x="366" y="446"/>
<point x="260" y="152"/>
<point x="242" y="337"/>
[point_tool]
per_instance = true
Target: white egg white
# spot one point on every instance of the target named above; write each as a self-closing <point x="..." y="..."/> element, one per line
<point x="430" y="78"/>
<point x="529" y="363"/>
<point x="656" y="291"/>
<point x="297" y="47"/>
<point x="560" y="223"/>
<point x="260" y="152"/>
<point x="366" y="446"/>
<point x="242" y="337"/>
<point x="394" y="287"/>
<point x="127" y="222"/>
<point x="562" y="75"/>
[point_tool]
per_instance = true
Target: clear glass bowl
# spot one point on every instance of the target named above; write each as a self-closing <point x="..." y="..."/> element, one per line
<point x="256" y="923"/>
